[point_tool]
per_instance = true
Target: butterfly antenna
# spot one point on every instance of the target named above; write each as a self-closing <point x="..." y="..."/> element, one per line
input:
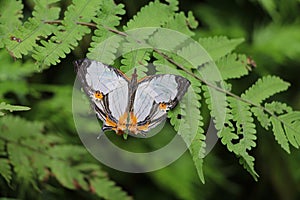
<point x="100" y="134"/>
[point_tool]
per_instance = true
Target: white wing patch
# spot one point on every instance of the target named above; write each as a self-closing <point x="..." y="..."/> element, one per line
<point x="104" y="79"/>
<point x="160" y="88"/>
<point x="109" y="82"/>
<point x="118" y="99"/>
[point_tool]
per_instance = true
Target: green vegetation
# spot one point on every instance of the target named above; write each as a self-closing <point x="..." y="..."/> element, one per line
<point x="255" y="46"/>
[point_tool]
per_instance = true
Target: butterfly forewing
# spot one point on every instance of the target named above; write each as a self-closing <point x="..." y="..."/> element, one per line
<point x="107" y="87"/>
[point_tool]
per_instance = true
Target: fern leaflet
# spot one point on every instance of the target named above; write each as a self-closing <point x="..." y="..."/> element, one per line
<point x="104" y="44"/>
<point x="8" y="22"/>
<point x="264" y="88"/>
<point x="33" y="29"/>
<point x="217" y="47"/>
<point x="232" y="66"/>
<point x="67" y="35"/>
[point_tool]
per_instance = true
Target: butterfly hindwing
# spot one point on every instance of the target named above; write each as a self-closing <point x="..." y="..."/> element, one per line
<point x="155" y="95"/>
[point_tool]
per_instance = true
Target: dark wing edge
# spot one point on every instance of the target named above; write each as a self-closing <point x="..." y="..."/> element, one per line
<point x="183" y="85"/>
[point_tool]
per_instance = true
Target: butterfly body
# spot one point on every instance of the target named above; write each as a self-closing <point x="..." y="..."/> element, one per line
<point x="128" y="105"/>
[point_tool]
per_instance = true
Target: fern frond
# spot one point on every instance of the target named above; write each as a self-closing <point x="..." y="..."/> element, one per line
<point x="264" y="88"/>
<point x="34" y="156"/>
<point x="239" y="133"/>
<point x="10" y="19"/>
<point x="67" y="35"/>
<point x="232" y="66"/>
<point x="34" y="28"/>
<point x="104" y="44"/>
<point x="219" y="46"/>
<point x="189" y="127"/>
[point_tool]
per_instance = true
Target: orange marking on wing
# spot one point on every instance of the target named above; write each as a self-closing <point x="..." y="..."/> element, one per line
<point x="121" y="126"/>
<point x="163" y="106"/>
<point x="143" y="127"/>
<point x="133" y="121"/>
<point x="109" y="122"/>
<point x="98" y="95"/>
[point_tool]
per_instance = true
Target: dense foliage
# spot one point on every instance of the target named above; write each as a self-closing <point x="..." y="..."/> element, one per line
<point x="41" y="155"/>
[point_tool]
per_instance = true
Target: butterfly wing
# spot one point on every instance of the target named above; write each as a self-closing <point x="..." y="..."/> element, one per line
<point x="107" y="88"/>
<point x="155" y="95"/>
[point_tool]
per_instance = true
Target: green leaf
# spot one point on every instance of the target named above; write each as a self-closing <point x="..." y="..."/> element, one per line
<point x="11" y="108"/>
<point x="291" y="124"/>
<point x="5" y="169"/>
<point x="278" y="107"/>
<point x="136" y="59"/>
<point x="189" y="127"/>
<point x="107" y="189"/>
<point x="182" y="24"/>
<point x="262" y="117"/>
<point x="14" y="70"/>
<point x="248" y="163"/>
<point x="239" y="133"/>
<point x="105" y="43"/>
<point x="10" y="19"/>
<point x="217" y="47"/>
<point x="68" y="34"/>
<point x="279" y="134"/>
<point x="146" y="15"/>
<point x="19" y="157"/>
<point x="232" y="66"/>
<point x="277" y="43"/>
<point x="264" y="88"/>
<point x="34" y="28"/>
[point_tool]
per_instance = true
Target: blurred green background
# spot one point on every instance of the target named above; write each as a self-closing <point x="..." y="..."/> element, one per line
<point x="271" y="29"/>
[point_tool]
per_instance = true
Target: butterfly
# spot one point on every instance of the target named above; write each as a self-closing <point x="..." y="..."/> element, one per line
<point x="128" y="105"/>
